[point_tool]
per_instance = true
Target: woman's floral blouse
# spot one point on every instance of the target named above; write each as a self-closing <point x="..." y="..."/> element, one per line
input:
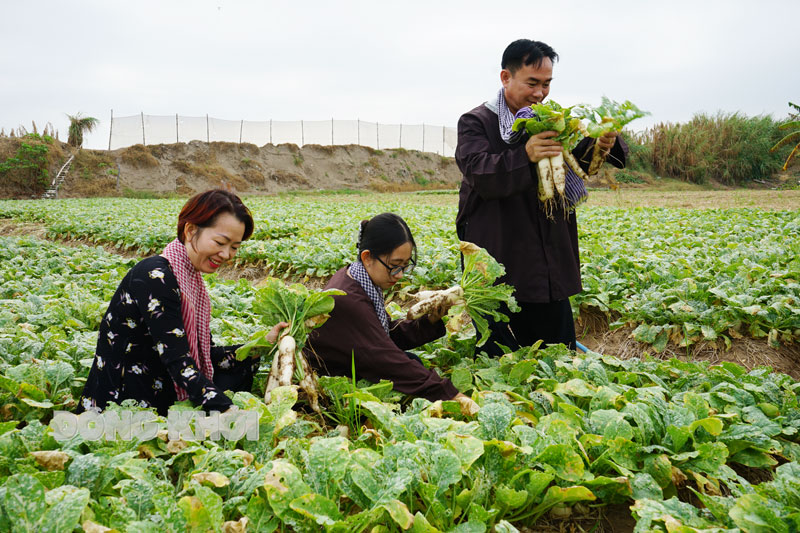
<point x="142" y="348"/>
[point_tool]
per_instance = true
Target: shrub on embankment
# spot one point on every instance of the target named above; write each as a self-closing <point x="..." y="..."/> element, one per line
<point x="728" y="148"/>
<point x="27" y="164"/>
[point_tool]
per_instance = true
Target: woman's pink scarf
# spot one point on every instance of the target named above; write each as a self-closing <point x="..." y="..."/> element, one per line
<point x="195" y="308"/>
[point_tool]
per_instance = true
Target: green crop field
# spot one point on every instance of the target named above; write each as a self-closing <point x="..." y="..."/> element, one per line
<point x="686" y="446"/>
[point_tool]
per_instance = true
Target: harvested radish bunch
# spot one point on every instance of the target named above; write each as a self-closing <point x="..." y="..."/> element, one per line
<point x="303" y="310"/>
<point x="552" y="175"/>
<point x="477" y="293"/>
<point x="609" y="116"/>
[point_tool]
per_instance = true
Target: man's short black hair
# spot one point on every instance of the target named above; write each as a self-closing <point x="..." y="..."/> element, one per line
<point x="526" y="52"/>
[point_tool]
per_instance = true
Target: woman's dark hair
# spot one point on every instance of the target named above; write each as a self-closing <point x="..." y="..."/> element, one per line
<point x="526" y="52"/>
<point x="203" y="209"/>
<point x="383" y="233"/>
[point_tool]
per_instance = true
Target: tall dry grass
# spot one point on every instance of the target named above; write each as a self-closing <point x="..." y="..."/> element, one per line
<point x="728" y="148"/>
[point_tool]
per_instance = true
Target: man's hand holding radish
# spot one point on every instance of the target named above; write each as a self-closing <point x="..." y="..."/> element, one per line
<point x="606" y="142"/>
<point x="542" y="146"/>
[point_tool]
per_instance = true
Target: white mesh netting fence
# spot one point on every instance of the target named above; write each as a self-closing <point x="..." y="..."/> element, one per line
<point x="159" y="129"/>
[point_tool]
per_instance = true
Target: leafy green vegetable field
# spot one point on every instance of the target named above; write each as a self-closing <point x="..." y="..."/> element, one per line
<point x="681" y="276"/>
<point x="560" y="435"/>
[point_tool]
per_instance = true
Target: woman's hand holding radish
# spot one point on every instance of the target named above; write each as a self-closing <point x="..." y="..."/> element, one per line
<point x="273" y="334"/>
<point x="541" y="146"/>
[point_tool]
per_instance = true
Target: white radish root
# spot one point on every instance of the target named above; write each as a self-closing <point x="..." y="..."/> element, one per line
<point x="597" y="160"/>
<point x="559" y="174"/>
<point x="435" y="302"/>
<point x="546" y="187"/>
<point x="309" y="384"/>
<point x="272" y="382"/>
<point x="570" y="160"/>
<point x="283" y="367"/>
<point x="285" y="355"/>
<point x="598" y="157"/>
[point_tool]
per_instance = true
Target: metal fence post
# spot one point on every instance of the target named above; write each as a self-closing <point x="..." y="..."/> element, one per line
<point x="401" y="136"/>
<point x="208" y="136"/>
<point x="241" y="125"/>
<point x="110" y="129"/>
<point x="177" y="132"/>
<point x="143" y="139"/>
<point x="331" y="131"/>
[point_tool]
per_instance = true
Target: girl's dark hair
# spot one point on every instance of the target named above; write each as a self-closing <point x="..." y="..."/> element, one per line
<point x="203" y="209"/>
<point x="383" y="233"/>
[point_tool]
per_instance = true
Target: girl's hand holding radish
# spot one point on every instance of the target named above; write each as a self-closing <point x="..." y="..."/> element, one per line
<point x="476" y="293"/>
<point x="436" y="312"/>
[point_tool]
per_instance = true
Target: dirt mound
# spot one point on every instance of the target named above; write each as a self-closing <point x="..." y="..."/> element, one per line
<point x="185" y="168"/>
<point x="593" y="332"/>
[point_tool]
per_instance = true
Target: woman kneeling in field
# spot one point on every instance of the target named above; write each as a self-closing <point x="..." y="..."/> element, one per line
<point x="155" y="342"/>
<point x="359" y="326"/>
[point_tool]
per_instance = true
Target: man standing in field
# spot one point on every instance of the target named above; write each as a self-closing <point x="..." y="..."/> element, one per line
<point x="499" y="209"/>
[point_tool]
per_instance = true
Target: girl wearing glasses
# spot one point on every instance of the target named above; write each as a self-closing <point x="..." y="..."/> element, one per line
<point x="360" y="328"/>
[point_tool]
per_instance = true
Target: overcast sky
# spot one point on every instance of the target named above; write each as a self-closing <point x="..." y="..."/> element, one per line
<point x="405" y="62"/>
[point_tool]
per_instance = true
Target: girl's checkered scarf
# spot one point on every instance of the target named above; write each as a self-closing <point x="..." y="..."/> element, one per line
<point x="360" y="274"/>
<point x="574" y="189"/>
<point x="195" y="308"/>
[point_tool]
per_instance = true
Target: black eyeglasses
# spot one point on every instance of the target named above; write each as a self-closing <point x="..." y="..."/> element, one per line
<point x="395" y="271"/>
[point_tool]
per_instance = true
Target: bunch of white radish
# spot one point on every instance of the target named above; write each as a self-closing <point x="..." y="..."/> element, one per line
<point x="303" y="310"/>
<point x="609" y="116"/>
<point x="477" y="293"/>
<point x="550" y="116"/>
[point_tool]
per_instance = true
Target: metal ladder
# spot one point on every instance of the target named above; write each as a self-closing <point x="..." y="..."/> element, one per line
<point x="52" y="192"/>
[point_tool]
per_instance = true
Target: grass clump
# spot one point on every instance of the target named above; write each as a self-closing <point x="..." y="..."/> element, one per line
<point x="90" y="164"/>
<point x="139" y="156"/>
<point x="728" y="148"/>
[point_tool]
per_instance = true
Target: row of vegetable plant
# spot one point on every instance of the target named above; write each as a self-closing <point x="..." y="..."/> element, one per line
<point x="675" y="275"/>
<point x="688" y="446"/>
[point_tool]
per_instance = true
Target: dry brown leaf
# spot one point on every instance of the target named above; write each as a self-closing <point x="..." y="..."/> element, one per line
<point x="93" y="527"/>
<point x="174" y="446"/>
<point x="51" y="459"/>
<point x="247" y="457"/>
<point x="215" y="478"/>
<point x="468" y="248"/>
<point x="238" y="526"/>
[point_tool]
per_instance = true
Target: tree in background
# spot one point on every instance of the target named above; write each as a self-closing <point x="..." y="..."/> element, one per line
<point x="794" y="123"/>
<point x="79" y="125"/>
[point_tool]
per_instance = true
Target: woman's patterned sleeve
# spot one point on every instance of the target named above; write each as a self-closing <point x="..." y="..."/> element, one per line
<point x="224" y="359"/>
<point x="223" y="356"/>
<point x="157" y="295"/>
